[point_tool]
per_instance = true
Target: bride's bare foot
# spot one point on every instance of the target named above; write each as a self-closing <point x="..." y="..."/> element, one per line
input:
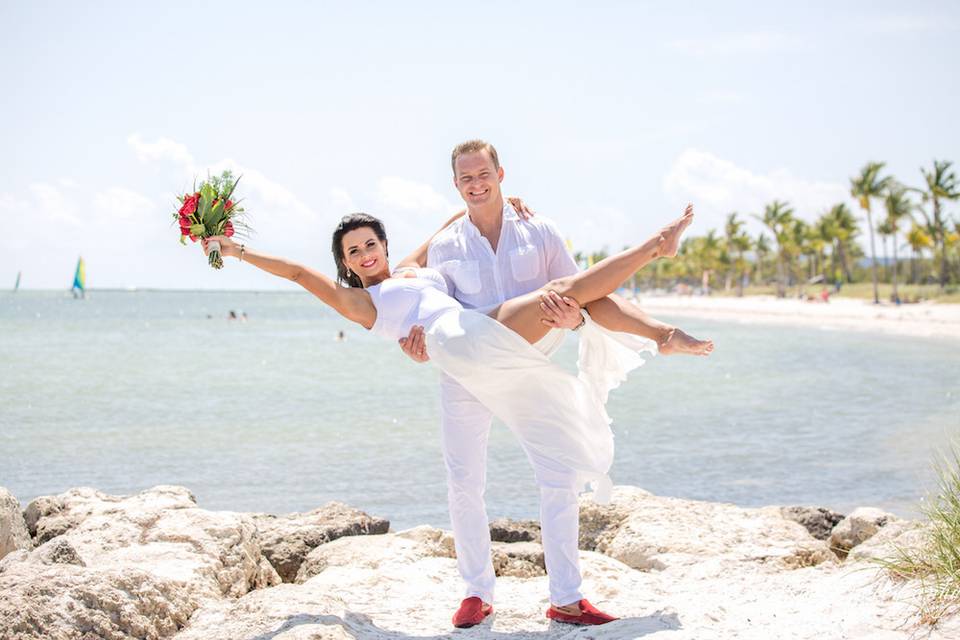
<point x="670" y="234"/>
<point x="677" y="342"/>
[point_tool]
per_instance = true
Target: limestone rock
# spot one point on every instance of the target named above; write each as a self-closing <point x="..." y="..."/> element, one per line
<point x="13" y="529"/>
<point x="708" y="538"/>
<point x="858" y="527"/>
<point x="377" y="551"/>
<point x="819" y="521"/>
<point x="518" y="559"/>
<point x="51" y="516"/>
<point x="598" y="523"/>
<point x="507" y="530"/>
<point x="164" y="532"/>
<point x="68" y="602"/>
<point x="286" y="540"/>
<point x="910" y="535"/>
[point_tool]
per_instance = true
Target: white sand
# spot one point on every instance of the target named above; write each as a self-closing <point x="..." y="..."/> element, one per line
<point x="927" y="319"/>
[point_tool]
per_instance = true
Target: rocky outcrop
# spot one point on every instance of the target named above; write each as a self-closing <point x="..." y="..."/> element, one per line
<point x="518" y="559"/>
<point x="507" y="530"/>
<point x="650" y="532"/>
<point x="886" y="543"/>
<point x="818" y="521"/>
<point x="154" y="565"/>
<point x="858" y="527"/>
<point x="13" y="530"/>
<point x="127" y="566"/>
<point x="286" y="540"/>
<point x="375" y="552"/>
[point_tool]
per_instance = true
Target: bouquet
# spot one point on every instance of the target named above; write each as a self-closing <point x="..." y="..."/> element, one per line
<point x="208" y="211"/>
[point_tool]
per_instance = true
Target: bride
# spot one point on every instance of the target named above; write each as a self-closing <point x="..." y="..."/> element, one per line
<point x="559" y="415"/>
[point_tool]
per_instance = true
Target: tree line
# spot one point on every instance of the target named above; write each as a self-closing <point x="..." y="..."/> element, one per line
<point x="792" y="251"/>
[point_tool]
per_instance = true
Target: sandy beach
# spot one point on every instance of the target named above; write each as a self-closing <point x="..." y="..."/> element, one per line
<point x="926" y="319"/>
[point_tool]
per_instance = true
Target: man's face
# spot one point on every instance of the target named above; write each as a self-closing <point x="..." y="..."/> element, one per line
<point x="477" y="180"/>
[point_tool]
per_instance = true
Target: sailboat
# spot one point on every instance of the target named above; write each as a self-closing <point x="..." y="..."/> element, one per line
<point x="79" y="280"/>
<point x="16" y="285"/>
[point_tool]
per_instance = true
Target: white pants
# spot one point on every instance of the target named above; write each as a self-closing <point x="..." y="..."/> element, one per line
<point x="465" y="428"/>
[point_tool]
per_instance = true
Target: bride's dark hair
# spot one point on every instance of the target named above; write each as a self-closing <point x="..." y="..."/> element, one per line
<point x="347" y="224"/>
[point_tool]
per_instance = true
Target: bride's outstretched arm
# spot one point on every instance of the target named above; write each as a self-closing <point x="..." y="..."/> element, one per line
<point x="353" y="304"/>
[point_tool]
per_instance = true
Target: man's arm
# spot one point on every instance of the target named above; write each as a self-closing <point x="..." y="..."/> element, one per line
<point x="419" y="256"/>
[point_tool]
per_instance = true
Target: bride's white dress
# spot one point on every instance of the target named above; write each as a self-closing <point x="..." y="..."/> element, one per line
<point x="558" y="415"/>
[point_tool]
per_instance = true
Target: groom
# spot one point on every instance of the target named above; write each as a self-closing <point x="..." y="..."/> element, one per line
<point x="488" y="256"/>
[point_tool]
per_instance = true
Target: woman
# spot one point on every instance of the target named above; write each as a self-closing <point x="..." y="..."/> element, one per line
<point x="491" y="355"/>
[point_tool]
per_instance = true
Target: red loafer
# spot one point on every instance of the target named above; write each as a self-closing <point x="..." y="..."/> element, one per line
<point x="472" y="611"/>
<point x="589" y="614"/>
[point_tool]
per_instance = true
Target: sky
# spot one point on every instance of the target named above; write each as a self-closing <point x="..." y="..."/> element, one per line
<point x="608" y="118"/>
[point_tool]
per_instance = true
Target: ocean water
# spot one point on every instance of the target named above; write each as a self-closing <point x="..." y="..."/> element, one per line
<point x="126" y="390"/>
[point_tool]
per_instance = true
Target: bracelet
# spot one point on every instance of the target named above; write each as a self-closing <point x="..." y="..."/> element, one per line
<point x="241" y="253"/>
<point x="583" y="321"/>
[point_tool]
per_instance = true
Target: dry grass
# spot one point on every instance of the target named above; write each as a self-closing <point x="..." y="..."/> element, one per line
<point x="936" y="563"/>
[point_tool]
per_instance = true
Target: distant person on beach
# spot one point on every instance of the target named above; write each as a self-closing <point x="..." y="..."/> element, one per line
<point x="492" y="254"/>
<point x="341" y="336"/>
<point x="560" y="418"/>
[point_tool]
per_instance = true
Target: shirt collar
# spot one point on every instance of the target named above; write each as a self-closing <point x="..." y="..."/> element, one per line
<point x="509" y="213"/>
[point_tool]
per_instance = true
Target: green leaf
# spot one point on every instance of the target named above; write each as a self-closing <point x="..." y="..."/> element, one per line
<point x="206" y="200"/>
<point x="216" y="214"/>
<point x="197" y="229"/>
<point x="183" y="240"/>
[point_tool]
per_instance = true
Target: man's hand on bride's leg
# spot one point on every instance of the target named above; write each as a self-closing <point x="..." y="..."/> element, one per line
<point x="559" y="311"/>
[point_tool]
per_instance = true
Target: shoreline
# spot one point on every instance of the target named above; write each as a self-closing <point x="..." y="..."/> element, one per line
<point x="921" y="320"/>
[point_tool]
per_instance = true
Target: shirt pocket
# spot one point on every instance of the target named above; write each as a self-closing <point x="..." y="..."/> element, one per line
<point x="466" y="276"/>
<point x="525" y="262"/>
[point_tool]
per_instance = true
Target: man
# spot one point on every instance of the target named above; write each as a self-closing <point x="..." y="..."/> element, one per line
<point x="488" y="256"/>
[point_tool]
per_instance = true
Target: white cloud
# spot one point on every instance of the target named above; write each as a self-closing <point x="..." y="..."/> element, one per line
<point x="51" y="204"/>
<point x="410" y="196"/>
<point x="162" y="149"/>
<point x="755" y="42"/>
<point x="118" y="203"/>
<point x="341" y="200"/>
<point x="718" y="187"/>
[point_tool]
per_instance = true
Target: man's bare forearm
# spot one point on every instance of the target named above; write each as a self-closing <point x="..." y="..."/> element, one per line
<point x="618" y="314"/>
<point x="419" y="256"/>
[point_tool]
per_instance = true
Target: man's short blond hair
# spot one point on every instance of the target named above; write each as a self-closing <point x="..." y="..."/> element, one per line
<point x="473" y="146"/>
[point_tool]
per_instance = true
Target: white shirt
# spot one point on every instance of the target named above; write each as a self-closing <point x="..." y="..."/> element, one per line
<point x="529" y="254"/>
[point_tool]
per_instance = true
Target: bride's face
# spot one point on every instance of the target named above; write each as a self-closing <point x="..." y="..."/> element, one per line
<point x="365" y="254"/>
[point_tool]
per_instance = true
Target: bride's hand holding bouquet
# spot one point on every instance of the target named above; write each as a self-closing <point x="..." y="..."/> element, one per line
<point x="209" y="214"/>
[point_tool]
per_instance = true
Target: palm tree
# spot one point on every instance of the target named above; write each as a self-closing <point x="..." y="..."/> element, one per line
<point x="737" y="241"/>
<point x="762" y="249"/>
<point x="845" y="229"/>
<point x="884" y="230"/>
<point x="918" y="239"/>
<point x="898" y="207"/>
<point x="778" y="217"/>
<point x="869" y="185"/>
<point x="942" y="185"/>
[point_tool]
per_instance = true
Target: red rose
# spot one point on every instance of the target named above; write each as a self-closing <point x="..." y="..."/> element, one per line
<point x="189" y="205"/>
<point x="228" y="229"/>
<point x="229" y="205"/>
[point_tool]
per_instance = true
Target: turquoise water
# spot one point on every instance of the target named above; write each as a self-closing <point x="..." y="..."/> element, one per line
<point x="125" y="390"/>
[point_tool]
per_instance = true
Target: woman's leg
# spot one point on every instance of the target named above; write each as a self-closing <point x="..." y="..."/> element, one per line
<point x="522" y="314"/>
